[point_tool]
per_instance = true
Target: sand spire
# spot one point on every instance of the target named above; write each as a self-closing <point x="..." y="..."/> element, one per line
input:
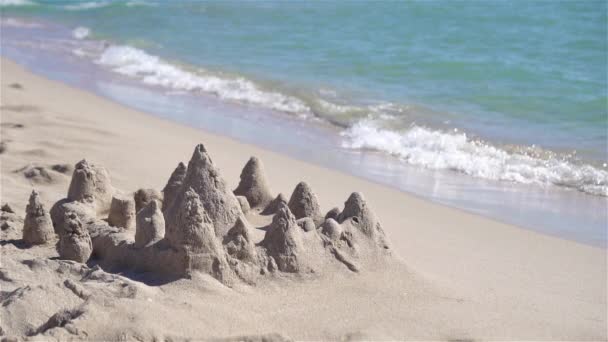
<point x="91" y="185"/>
<point x="74" y="243"/>
<point x="150" y="225"/>
<point x="143" y="197"/>
<point x="253" y="184"/>
<point x="303" y="203"/>
<point x="283" y="241"/>
<point x="239" y="243"/>
<point x="193" y="235"/>
<point x="203" y="178"/>
<point x="37" y="227"/>
<point x="275" y="204"/>
<point x="173" y="185"/>
<point x="122" y="212"/>
<point x="361" y="216"/>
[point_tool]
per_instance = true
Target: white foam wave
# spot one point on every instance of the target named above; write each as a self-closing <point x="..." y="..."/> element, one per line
<point x="16" y="3"/>
<point x="12" y="22"/>
<point x="136" y="3"/>
<point x="153" y="70"/>
<point x="81" y="32"/>
<point x="86" y="5"/>
<point x="455" y="151"/>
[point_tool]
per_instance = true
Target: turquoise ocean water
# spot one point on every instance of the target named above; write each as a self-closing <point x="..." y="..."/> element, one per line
<point x="512" y="91"/>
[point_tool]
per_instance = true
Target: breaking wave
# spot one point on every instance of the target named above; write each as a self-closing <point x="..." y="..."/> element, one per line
<point x="16" y="3"/>
<point x="81" y="32"/>
<point x="86" y="5"/>
<point x="153" y="70"/>
<point x="455" y="151"/>
<point x="362" y="129"/>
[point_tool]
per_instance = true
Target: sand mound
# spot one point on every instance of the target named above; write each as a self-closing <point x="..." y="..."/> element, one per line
<point x="332" y="229"/>
<point x="62" y="168"/>
<point x="306" y="223"/>
<point x="290" y="249"/>
<point x="333" y="213"/>
<point x="85" y="213"/>
<point x="39" y="174"/>
<point x="91" y="184"/>
<point x="37" y="227"/>
<point x="6" y="208"/>
<point x="253" y="184"/>
<point x="193" y="236"/>
<point x="218" y="202"/>
<point x="238" y="242"/>
<point x="143" y="197"/>
<point x="74" y="242"/>
<point x="10" y="222"/>
<point x="122" y="212"/>
<point x="173" y="185"/>
<point x="358" y="214"/>
<point x="275" y="204"/>
<point x="304" y="203"/>
<point x="150" y="226"/>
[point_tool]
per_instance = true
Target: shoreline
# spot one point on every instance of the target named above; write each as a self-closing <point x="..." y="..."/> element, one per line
<point x="412" y="195"/>
<point x="581" y="218"/>
<point x="469" y="276"/>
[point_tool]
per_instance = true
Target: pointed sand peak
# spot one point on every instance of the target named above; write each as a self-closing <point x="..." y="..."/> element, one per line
<point x="173" y="185"/>
<point x="253" y="184"/>
<point x="275" y="204"/>
<point x="203" y="178"/>
<point x="304" y="203"/>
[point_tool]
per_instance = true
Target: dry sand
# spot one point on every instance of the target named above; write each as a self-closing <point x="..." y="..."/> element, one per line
<point x="453" y="275"/>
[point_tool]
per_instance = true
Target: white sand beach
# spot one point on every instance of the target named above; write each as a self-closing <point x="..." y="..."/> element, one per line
<point x="449" y="275"/>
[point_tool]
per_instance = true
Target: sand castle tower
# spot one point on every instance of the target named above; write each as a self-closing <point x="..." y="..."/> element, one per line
<point x="304" y="203"/>
<point x="37" y="227"/>
<point x="143" y="197"/>
<point x="150" y="226"/>
<point x="173" y="185"/>
<point x="238" y="242"/>
<point x="253" y="184"/>
<point x="74" y="243"/>
<point x="122" y="212"/>
<point x="283" y="241"/>
<point x="219" y="203"/>
<point x="192" y="234"/>
<point x="275" y="204"/>
<point x="358" y="214"/>
<point x="91" y="185"/>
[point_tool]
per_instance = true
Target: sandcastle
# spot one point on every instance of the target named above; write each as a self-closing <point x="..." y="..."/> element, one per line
<point x="74" y="241"/>
<point x="150" y="225"/>
<point x="91" y="185"/>
<point x="198" y="225"/>
<point x="173" y="185"/>
<point x="143" y="197"/>
<point x="122" y="212"/>
<point x="304" y="203"/>
<point x="253" y="185"/>
<point x="37" y="226"/>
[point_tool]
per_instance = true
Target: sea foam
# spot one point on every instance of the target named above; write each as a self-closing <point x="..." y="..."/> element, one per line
<point x="14" y="22"/>
<point x="430" y="148"/>
<point x="81" y="32"/>
<point x="153" y="70"/>
<point x="15" y="2"/>
<point x="86" y="6"/>
<point x="439" y="150"/>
